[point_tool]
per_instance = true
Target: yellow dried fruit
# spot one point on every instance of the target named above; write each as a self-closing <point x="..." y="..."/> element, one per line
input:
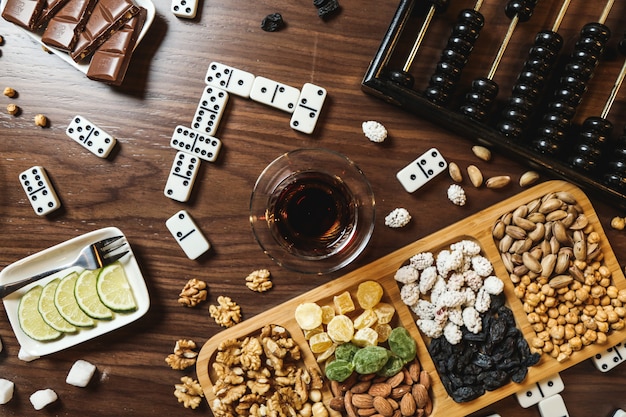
<point x="384" y="312"/>
<point x="366" y="319"/>
<point x="383" y="330"/>
<point x="343" y="303"/>
<point x="365" y="337"/>
<point x="320" y="342"/>
<point x="368" y="294"/>
<point x="327" y="314"/>
<point x="309" y="333"/>
<point x="340" y="329"/>
<point x="308" y="316"/>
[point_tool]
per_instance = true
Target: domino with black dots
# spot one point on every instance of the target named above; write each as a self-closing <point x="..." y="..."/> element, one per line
<point x="39" y="190"/>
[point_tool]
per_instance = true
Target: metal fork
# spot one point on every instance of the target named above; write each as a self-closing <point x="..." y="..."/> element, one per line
<point x="91" y="257"/>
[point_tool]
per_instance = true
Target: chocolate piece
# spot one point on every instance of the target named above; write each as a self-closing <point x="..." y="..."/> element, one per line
<point x="23" y="13"/>
<point x="64" y="28"/>
<point x="50" y="9"/>
<point x="110" y="62"/>
<point x="107" y="17"/>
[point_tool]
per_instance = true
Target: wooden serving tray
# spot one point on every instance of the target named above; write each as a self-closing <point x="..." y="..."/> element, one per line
<point x="478" y="228"/>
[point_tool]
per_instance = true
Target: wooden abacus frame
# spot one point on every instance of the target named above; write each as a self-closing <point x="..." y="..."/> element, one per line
<point x="377" y="83"/>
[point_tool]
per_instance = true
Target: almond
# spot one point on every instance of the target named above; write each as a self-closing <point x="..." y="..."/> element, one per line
<point x="360" y="387"/>
<point x="381" y="389"/>
<point x="349" y="407"/>
<point x="396" y="380"/>
<point x="408" y="406"/>
<point x="383" y="406"/>
<point x="425" y="379"/>
<point x="414" y="370"/>
<point x="362" y="400"/>
<point x="420" y="394"/>
<point x="400" y="390"/>
<point x="366" y="412"/>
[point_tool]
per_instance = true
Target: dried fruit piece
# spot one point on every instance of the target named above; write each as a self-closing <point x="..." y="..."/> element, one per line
<point x="365" y="337"/>
<point x="340" y="329"/>
<point x="343" y="303"/>
<point x="320" y="342"/>
<point x="368" y="294"/>
<point x="384" y="312"/>
<point x="366" y="319"/>
<point x="308" y="316"/>
<point x="370" y="359"/>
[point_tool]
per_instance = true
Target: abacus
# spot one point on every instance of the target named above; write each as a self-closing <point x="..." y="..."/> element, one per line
<point x="550" y="67"/>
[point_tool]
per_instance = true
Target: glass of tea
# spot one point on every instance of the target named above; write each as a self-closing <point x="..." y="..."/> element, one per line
<point x="312" y="210"/>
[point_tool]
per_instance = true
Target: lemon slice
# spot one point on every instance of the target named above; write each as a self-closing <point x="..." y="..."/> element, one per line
<point x="48" y="310"/>
<point x="87" y="297"/>
<point x="31" y="321"/>
<point x="114" y="289"/>
<point x="67" y="305"/>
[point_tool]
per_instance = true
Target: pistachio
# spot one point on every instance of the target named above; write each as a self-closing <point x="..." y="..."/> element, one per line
<point x="482" y="152"/>
<point x="528" y="178"/>
<point x="499" y="181"/>
<point x="475" y="176"/>
<point x="560" y="281"/>
<point x="455" y="172"/>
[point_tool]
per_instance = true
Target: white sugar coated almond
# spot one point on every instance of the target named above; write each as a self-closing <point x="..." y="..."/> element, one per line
<point x="43" y="397"/>
<point x="6" y="390"/>
<point x="25" y="356"/>
<point x="81" y="373"/>
<point x="374" y="131"/>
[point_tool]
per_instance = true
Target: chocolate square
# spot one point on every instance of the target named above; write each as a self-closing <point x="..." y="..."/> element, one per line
<point x="64" y="28"/>
<point x="107" y="17"/>
<point x="24" y="13"/>
<point x="50" y="9"/>
<point x="110" y="61"/>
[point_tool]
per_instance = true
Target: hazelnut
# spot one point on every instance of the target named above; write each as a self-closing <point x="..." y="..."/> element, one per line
<point x="41" y="120"/>
<point x="12" y="109"/>
<point x="9" y="92"/>
<point x="618" y="223"/>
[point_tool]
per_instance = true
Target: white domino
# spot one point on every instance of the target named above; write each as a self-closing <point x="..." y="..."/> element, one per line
<point x="610" y="358"/>
<point x="540" y="390"/>
<point x="553" y="407"/>
<point x="94" y="139"/>
<point x="233" y="80"/>
<point x="308" y="109"/>
<point x="184" y="8"/>
<point x="423" y="169"/>
<point x="39" y="190"/>
<point x="210" y="109"/>
<point x="274" y="94"/>
<point x="187" y="234"/>
<point x="195" y="143"/>
<point x="619" y="413"/>
<point x="182" y="176"/>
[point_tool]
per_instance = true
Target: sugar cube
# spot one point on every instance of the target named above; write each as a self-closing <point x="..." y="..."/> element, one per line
<point x="43" y="397"/>
<point x="80" y="374"/>
<point x="6" y="390"/>
<point x="26" y="356"/>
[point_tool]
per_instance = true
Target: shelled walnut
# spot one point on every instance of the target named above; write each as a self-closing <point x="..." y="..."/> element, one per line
<point x="227" y="313"/>
<point x="184" y="355"/>
<point x="189" y="392"/>
<point x="194" y="292"/>
<point x="259" y="280"/>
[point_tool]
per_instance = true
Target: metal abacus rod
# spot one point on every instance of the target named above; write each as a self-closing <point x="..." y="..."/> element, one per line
<point x="484" y="90"/>
<point x="596" y="131"/>
<point x="532" y="79"/>
<point x="572" y="85"/>
<point x="455" y="55"/>
<point x="403" y="77"/>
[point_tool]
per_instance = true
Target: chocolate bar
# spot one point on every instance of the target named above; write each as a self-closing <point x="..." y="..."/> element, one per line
<point x="24" y="13"/>
<point x="50" y="9"/>
<point x="110" y="61"/>
<point x="64" y="28"/>
<point x="107" y="17"/>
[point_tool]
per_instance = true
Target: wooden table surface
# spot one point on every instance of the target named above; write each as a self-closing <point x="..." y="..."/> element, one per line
<point x="161" y="90"/>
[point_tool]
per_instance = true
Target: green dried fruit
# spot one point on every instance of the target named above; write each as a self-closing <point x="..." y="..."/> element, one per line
<point x="402" y="344"/>
<point x="346" y="351"/>
<point x="339" y="370"/>
<point x="392" y="367"/>
<point x="370" y="359"/>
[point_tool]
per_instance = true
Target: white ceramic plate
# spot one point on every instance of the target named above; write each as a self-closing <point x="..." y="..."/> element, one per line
<point x="59" y="255"/>
<point x="84" y="65"/>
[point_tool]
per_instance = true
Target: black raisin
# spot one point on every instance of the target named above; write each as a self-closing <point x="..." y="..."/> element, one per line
<point x="273" y="22"/>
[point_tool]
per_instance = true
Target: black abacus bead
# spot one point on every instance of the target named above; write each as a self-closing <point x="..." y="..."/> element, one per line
<point x="615" y="181"/>
<point x="402" y="78"/>
<point x="618" y="167"/>
<point x="583" y="163"/>
<point x="562" y="108"/>
<point x="597" y="31"/>
<point x="510" y="129"/>
<point x="479" y="98"/>
<point x="582" y="69"/>
<point x="523" y="9"/>
<point x="556" y="120"/>
<point x="515" y="115"/>
<point x="597" y="129"/>
<point x="547" y="146"/>
<point x="549" y="38"/>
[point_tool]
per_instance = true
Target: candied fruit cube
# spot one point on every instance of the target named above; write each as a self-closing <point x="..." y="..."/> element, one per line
<point x="343" y="303"/>
<point x="368" y="294"/>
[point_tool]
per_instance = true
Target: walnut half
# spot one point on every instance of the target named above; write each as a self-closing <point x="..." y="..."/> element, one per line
<point x="259" y="280"/>
<point x="184" y="355"/>
<point x="194" y="292"/>
<point x="189" y="392"/>
<point x="227" y="313"/>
